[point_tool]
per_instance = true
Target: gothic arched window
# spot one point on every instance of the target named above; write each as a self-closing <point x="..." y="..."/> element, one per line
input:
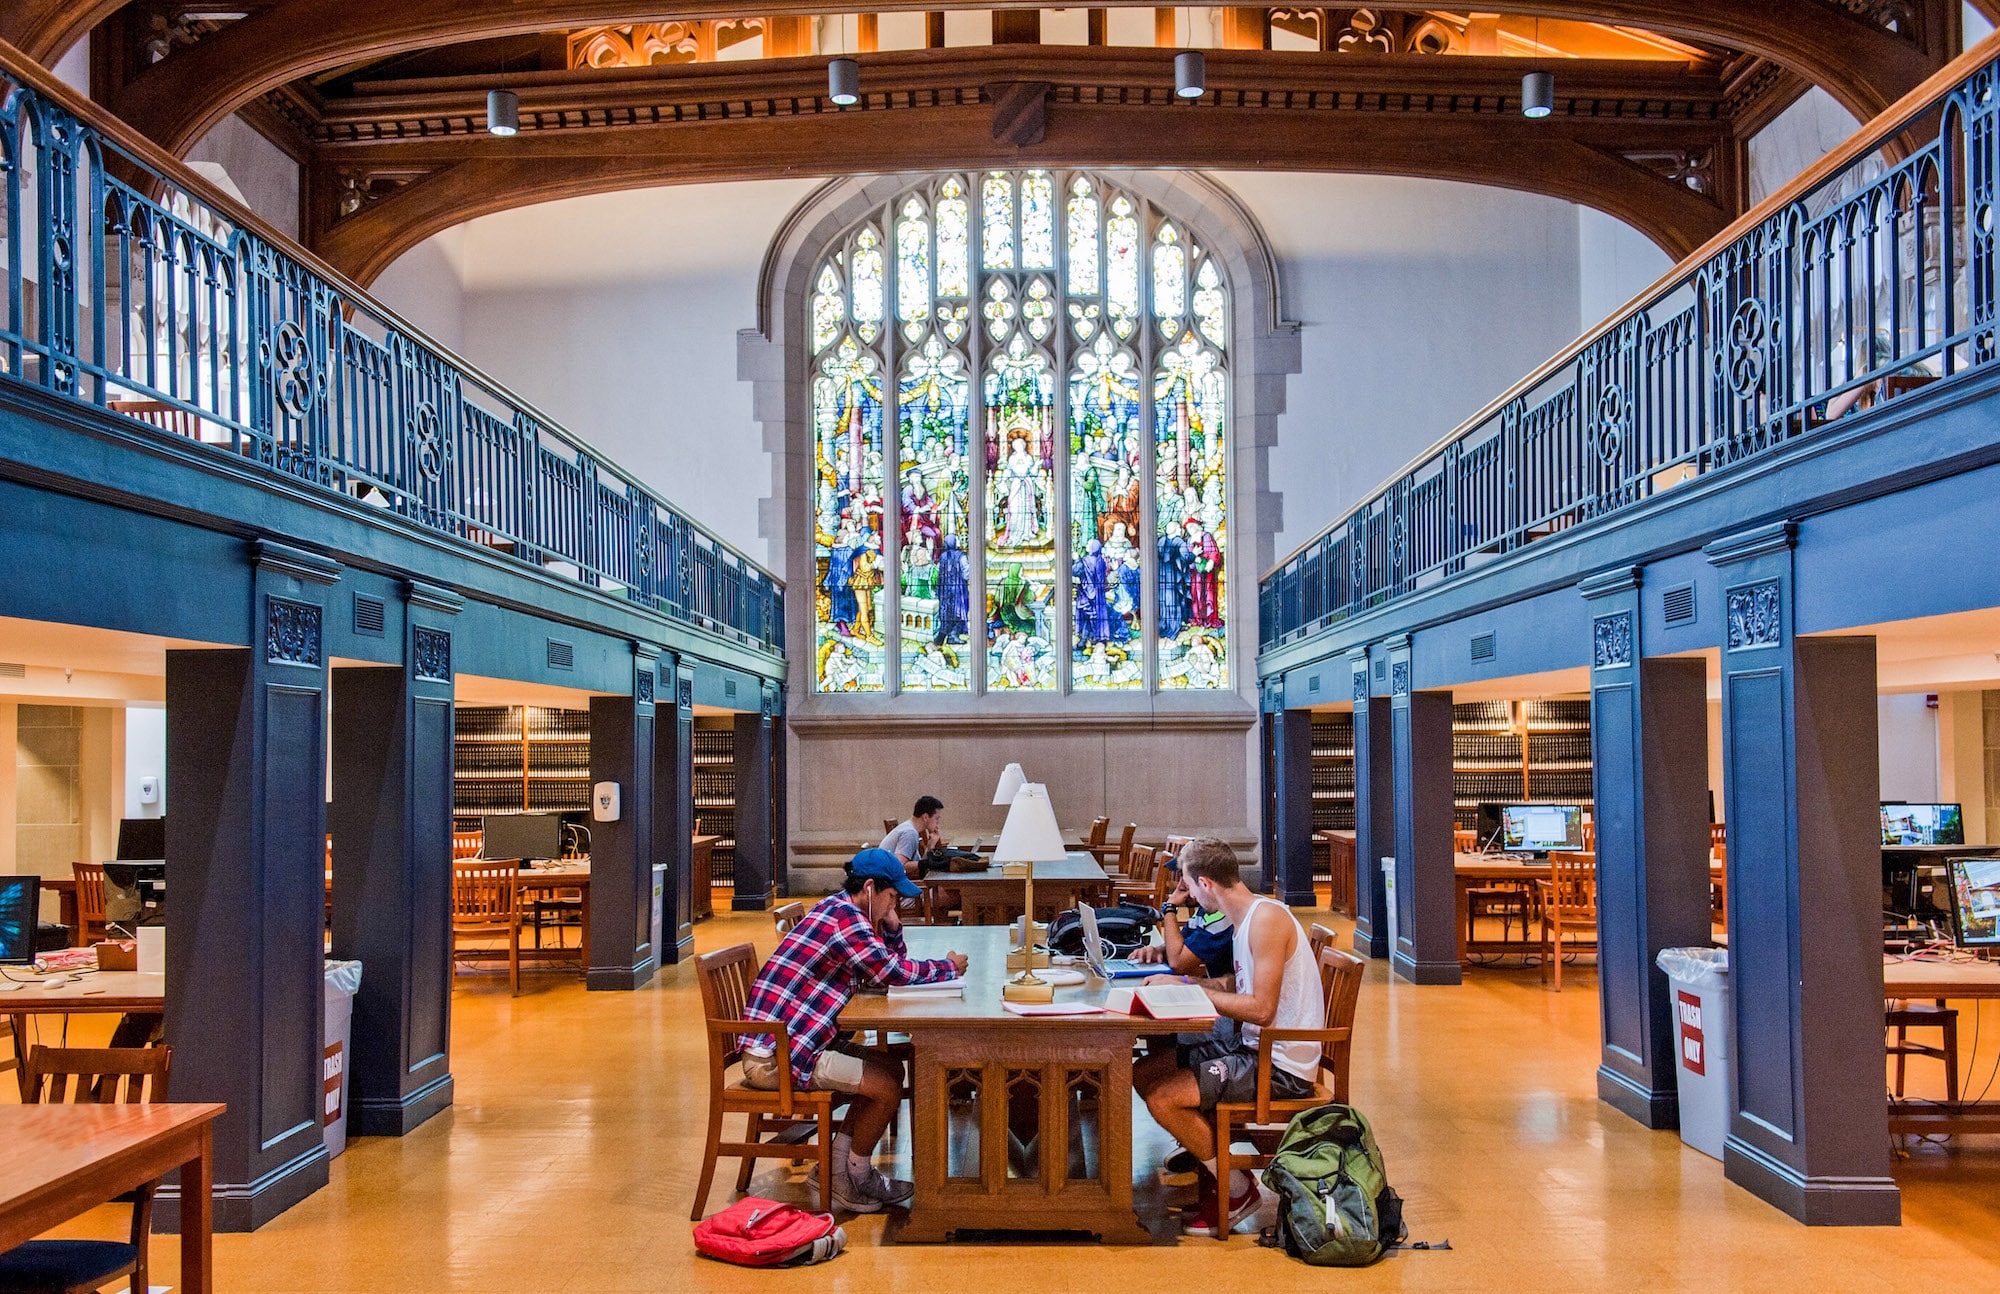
<point x="991" y="356"/>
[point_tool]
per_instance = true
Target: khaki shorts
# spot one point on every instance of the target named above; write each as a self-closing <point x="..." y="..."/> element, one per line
<point x="834" y="1071"/>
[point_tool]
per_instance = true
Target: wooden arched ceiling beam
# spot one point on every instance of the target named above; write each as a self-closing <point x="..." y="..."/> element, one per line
<point x="45" y="29"/>
<point x="483" y="175"/>
<point x="177" y="101"/>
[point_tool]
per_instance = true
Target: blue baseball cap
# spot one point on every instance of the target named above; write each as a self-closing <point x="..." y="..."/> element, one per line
<point x="884" y="868"/>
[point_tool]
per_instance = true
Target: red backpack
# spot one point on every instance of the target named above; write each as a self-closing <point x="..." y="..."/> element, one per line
<point x="763" y="1233"/>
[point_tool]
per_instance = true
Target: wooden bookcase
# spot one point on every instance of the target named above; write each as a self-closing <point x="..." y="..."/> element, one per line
<point x="520" y="759"/>
<point x="715" y="790"/>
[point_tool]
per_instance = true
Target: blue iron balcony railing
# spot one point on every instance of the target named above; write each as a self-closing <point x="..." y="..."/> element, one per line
<point x="133" y="286"/>
<point x="1869" y="277"/>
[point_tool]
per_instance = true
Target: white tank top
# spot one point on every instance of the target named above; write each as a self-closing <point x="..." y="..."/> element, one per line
<point x="1300" y="1003"/>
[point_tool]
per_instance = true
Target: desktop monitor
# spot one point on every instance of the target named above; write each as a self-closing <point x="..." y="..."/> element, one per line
<point x="142" y="839"/>
<point x="1975" y="907"/>
<point x="20" y="913"/>
<point x="1539" y="828"/>
<point x="522" y="835"/>
<point x="135" y="894"/>
<point x="1922" y="824"/>
<point x="1491" y="817"/>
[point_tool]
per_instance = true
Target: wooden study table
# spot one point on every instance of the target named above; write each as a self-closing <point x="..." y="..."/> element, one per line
<point x="1949" y="981"/>
<point x="1472" y="871"/>
<point x="140" y="999"/>
<point x="63" y="1160"/>
<point x="1083" y="1060"/>
<point x="993" y="897"/>
<point x="701" y="879"/>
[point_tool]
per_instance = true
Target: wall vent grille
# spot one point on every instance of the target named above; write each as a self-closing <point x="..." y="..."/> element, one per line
<point x="1678" y="604"/>
<point x="369" y="615"/>
<point x="562" y="655"/>
<point x="1482" y="646"/>
<point x="12" y="669"/>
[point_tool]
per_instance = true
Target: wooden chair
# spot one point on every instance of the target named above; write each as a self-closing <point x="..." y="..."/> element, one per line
<point x="7" y="1035"/>
<point x="89" y="903"/>
<point x="466" y="844"/>
<point x="725" y="979"/>
<point x="1095" y="836"/>
<point x="1262" y="1122"/>
<point x="1464" y="841"/>
<point x="1115" y="858"/>
<point x="1718" y="841"/>
<point x="1142" y="878"/>
<point x="1567" y="905"/>
<point x="1905" y="1016"/>
<point x="79" y="1076"/>
<point x="888" y="825"/>
<point x="1321" y="938"/>
<point x="485" y="901"/>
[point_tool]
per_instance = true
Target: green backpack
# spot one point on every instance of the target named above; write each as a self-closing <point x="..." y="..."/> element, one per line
<point x="1335" y="1206"/>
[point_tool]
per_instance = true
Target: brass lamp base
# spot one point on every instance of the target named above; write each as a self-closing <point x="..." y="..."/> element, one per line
<point x="1026" y="959"/>
<point x="1028" y="989"/>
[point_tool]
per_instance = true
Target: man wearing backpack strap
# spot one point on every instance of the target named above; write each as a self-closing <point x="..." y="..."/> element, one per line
<point x="1274" y="985"/>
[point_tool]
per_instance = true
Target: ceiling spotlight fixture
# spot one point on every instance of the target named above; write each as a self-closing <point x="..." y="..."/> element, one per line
<point x="503" y="112"/>
<point x="1190" y="74"/>
<point x="843" y="81"/>
<point x="1538" y="94"/>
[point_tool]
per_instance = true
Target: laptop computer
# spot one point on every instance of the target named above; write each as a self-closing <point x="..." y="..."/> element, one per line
<point x="1093" y="952"/>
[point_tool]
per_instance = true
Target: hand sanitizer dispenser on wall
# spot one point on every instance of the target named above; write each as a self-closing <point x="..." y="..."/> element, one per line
<point x="604" y="802"/>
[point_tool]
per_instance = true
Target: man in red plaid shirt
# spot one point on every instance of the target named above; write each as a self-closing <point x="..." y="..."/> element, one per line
<point x="852" y="939"/>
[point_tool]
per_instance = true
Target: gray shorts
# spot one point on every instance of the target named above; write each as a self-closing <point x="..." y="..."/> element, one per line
<point x="834" y="1071"/>
<point x="1225" y="1072"/>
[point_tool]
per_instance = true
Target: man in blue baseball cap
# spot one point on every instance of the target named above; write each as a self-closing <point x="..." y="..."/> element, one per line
<point x="850" y="940"/>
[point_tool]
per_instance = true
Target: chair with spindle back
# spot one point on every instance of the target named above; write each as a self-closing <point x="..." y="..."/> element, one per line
<point x="1142" y="877"/>
<point x="725" y="978"/>
<point x="486" y="901"/>
<point x="1320" y="938"/>
<point x="90" y="917"/>
<point x="1464" y="841"/>
<point x="787" y="915"/>
<point x="1590" y="837"/>
<point x="1568" y="909"/>
<point x="466" y="844"/>
<point x="1262" y="1122"/>
<point x="94" y="1076"/>
<point x="1095" y="836"/>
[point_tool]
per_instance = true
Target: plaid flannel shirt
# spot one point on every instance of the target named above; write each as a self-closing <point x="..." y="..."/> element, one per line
<point x="817" y="968"/>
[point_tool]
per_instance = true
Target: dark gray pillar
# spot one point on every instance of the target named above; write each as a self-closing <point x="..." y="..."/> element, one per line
<point x="673" y="805"/>
<point x="1292" y="872"/>
<point x="1649" y="751"/>
<point x="756" y="853"/>
<point x="246" y="849"/>
<point x="1374" y="810"/>
<point x="1809" y="1126"/>
<point x="1271" y="701"/>
<point x="622" y="852"/>
<point x="1426" y="884"/>
<point x="391" y="823"/>
<point x="781" y="831"/>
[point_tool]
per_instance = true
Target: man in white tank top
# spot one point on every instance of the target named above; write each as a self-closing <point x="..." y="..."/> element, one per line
<point x="1275" y="986"/>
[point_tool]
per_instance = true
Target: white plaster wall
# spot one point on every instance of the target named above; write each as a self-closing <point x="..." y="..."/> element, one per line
<point x="1908" y="747"/>
<point x="263" y="173"/>
<point x="1800" y="136"/>
<point x="73" y="68"/>
<point x="1418" y="302"/>
<point x="1974" y="26"/>
<point x="145" y="756"/>
<point x="426" y="285"/>
<point x="1615" y="263"/>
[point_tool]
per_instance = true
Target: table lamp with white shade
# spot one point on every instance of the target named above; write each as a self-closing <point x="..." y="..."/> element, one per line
<point x="1030" y="836"/>
<point x="1012" y="779"/>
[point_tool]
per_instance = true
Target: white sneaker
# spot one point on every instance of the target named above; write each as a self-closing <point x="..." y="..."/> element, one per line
<point x="846" y="1198"/>
<point x="882" y="1188"/>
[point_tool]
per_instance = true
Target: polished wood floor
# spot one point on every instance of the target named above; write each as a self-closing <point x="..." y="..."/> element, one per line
<point x="567" y="1163"/>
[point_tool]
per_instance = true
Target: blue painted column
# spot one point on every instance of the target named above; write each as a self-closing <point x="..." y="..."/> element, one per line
<point x="757" y="868"/>
<point x="246" y="857"/>
<point x="621" y="853"/>
<point x="1374" y="809"/>
<point x="673" y="805"/>
<point x="1426" y="949"/>
<point x="1291" y="870"/>
<point x="1649" y="752"/>
<point x="1809" y="1123"/>
<point x="391" y="825"/>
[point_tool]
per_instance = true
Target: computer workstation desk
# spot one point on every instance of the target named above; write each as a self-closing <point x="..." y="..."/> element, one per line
<point x="1945" y="981"/>
<point x="141" y="999"/>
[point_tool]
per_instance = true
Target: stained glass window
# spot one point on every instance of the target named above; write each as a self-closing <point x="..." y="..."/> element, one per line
<point x="1008" y="345"/>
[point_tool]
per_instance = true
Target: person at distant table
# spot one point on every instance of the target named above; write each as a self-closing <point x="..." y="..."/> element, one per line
<point x="851" y="939"/>
<point x="1274" y="985"/>
<point x="915" y="837"/>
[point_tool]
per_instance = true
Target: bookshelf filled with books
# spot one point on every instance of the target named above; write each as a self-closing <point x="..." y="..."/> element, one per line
<point x="520" y="759"/>
<point x="715" y="790"/>
<point x="1519" y="752"/>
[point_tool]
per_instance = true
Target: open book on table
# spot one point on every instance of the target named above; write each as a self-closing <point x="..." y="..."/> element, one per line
<point x="1161" y="1001"/>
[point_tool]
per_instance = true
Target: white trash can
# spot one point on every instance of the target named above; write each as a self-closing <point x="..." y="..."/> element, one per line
<point x="1704" y="1019"/>
<point x="343" y="981"/>
<point x="1389" y="900"/>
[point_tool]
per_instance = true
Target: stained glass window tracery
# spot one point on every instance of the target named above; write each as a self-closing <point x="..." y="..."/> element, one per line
<point x="991" y="358"/>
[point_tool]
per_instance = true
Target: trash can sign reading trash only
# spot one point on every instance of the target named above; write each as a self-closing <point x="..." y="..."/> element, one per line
<point x="1691" y="1042"/>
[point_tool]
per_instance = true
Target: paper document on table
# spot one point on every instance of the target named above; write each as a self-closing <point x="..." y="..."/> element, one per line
<point x="1161" y="1001"/>
<point x="1051" y="1008"/>
<point x="941" y="988"/>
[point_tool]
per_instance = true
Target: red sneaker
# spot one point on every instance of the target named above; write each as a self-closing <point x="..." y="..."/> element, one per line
<point x="1201" y="1222"/>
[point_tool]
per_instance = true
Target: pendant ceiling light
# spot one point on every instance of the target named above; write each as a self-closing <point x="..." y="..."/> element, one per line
<point x="1538" y="94"/>
<point x="503" y="112"/>
<point x="1190" y="74"/>
<point x="843" y="81"/>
